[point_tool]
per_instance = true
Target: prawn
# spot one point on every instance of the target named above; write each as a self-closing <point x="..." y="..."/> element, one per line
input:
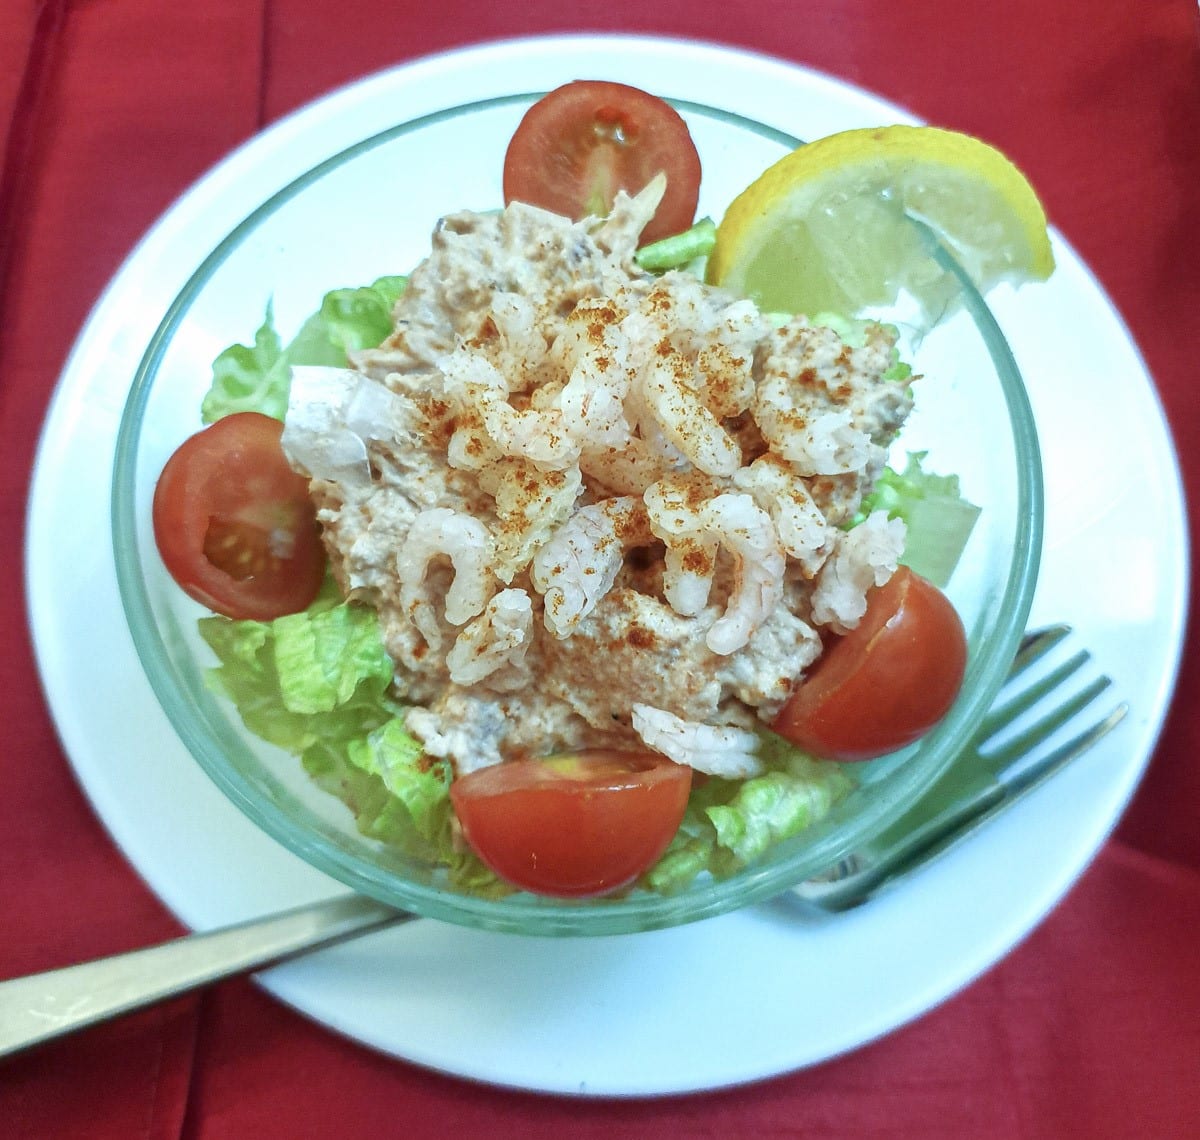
<point x="468" y="545"/>
<point x="719" y="750"/>
<point x="693" y="531"/>
<point x="863" y="557"/>
<point x="803" y="530"/>
<point x="580" y="562"/>
<point x="500" y="636"/>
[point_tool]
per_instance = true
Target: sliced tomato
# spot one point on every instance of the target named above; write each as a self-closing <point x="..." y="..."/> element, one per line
<point x="581" y="143"/>
<point x="234" y="523"/>
<point x="886" y="683"/>
<point x="573" y="826"/>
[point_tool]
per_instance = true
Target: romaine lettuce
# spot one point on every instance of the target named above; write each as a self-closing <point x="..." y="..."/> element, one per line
<point x="256" y="378"/>
<point x="732" y="823"/>
<point x="318" y="684"/>
<point x="938" y="519"/>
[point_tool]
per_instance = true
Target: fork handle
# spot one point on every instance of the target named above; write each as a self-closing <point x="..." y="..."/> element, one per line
<point x="41" y="1007"/>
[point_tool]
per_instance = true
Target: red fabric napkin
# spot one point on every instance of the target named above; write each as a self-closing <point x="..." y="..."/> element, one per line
<point x="110" y="108"/>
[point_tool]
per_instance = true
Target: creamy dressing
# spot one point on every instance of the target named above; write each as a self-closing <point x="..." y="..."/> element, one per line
<point x="593" y="506"/>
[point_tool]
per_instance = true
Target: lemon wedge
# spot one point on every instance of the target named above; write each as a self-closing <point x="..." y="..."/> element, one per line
<point x="829" y="226"/>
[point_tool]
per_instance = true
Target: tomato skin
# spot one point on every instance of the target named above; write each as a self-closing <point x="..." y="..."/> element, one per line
<point x="234" y="524"/>
<point x="573" y="827"/>
<point x="584" y="141"/>
<point x="886" y="683"/>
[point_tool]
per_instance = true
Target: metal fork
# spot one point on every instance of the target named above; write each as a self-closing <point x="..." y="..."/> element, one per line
<point x="994" y="772"/>
<point x="41" y="1007"/>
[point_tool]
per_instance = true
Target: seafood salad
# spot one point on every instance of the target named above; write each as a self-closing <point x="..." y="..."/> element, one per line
<point x="595" y="507"/>
<point x="566" y="570"/>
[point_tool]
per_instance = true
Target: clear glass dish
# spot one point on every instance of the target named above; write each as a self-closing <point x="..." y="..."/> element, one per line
<point x="367" y="211"/>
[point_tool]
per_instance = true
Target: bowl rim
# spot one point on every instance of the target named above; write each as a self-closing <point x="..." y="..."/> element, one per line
<point x="520" y="913"/>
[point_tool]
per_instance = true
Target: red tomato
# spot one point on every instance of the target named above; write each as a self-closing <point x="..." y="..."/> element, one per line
<point x="887" y="682"/>
<point x="234" y="523"/>
<point x="573" y="826"/>
<point x="581" y="143"/>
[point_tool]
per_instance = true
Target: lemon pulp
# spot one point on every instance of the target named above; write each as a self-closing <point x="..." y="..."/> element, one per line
<point x="829" y="227"/>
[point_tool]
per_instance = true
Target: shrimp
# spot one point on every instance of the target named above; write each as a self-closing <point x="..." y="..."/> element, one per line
<point x="579" y="564"/>
<point x="597" y="361"/>
<point x="864" y="557"/>
<point x="669" y="387"/>
<point x="675" y="511"/>
<point x="530" y="505"/>
<point x="719" y="750"/>
<point x="500" y="636"/>
<point x="749" y="535"/>
<point x="693" y="531"/>
<point x="803" y="529"/>
<point x="827" y="443"/>
<point x="478" y="385"/>
<point x="468" y="545"/>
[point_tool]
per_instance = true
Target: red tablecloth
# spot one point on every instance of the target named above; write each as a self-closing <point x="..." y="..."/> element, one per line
<point x="110" y="108"/>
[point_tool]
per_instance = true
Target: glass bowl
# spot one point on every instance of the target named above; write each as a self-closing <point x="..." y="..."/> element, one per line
<point x="368" y="211"/>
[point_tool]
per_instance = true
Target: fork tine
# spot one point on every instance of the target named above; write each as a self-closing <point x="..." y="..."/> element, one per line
<point x="858" y="878"/>
<point x="1035" y="644"/>
<point x="1045" y="767"/>
<point x="1021" y="743"/>
<point x="1007" y="710"/>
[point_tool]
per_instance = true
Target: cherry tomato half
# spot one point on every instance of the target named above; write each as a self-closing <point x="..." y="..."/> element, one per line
<point x="887" y="682"/>
<point x="234" y="523"/>
<point x="573" y="826"/>
<point x="581" y="143"/>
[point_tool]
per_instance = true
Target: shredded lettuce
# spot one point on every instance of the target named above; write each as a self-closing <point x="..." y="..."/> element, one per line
<point x="318" y="684"/>
<point x="938" y="518"/>
<point x="730" y="824"/>
<point x="255" y="378"/>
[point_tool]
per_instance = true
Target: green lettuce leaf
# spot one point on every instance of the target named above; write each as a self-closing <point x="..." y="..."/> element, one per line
<point x="939" y="520"/>
<point x="318" y="684"/>
<point x="729" y="824"/>
<point x="771" y="808"/>
<point x="255" y="378"/>
<point x="678" y="250"/>
<point x="414" y="814"/>
<point x="292" y="684"/>
<point x="359" y="318"/>
<point x="249" y="378"/>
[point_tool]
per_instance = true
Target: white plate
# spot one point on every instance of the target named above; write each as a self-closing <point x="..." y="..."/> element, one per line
<point x="738" y="998"/>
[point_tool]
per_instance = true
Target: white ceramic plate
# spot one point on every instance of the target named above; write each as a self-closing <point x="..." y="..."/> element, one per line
<point x="734" y="999"/>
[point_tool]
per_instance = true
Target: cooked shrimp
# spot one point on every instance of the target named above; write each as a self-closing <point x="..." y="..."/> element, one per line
<point x="675" y="509"/>
<point x="803" y="530"/>
<point x="670" y="388"/>
<point x="693" y="529"/>
<point x="719" y="750"/>
<point x="597" y="360"/>
<point x="468" y="545"/>
<point x="864" y="557"/>
<point x="478" y="385"/>
<point x="530" y="504"/>
<point x="825" y="443"/>
<point x="500" y="636"/>
<point x="576" y="568"/>
<point x="748" y="534"/>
